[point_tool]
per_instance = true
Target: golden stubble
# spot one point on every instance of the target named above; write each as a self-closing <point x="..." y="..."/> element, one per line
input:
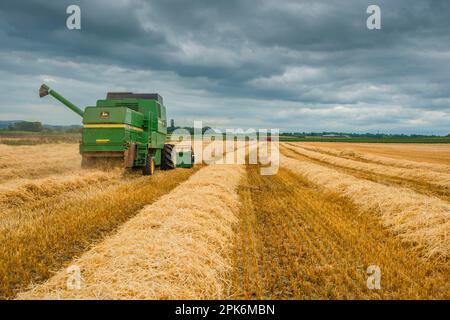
<point x="299" y="240"/>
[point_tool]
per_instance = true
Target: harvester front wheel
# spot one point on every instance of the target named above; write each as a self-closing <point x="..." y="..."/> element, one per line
<point x="168" y="157"/>
<point x="149" y="168"/>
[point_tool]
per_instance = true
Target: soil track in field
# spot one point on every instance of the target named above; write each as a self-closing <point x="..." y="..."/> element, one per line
<point x="295" y="241"/>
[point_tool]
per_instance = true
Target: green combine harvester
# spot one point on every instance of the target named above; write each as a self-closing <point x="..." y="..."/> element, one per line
<point x="128" y="126"/>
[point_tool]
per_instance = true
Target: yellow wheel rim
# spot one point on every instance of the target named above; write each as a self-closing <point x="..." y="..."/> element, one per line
<point x="152" y="167"/>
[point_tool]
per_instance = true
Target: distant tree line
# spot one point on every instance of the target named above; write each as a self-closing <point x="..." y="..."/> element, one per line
<point x="26" y="126"/>
<point x="31" y="126"/>
<point x="354" y="135"/>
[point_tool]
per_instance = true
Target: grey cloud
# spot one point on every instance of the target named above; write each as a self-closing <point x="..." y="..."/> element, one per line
<point x="285" y="64"/>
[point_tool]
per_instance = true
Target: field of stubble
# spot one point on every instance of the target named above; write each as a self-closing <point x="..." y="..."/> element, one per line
<point x="225" y="231"/>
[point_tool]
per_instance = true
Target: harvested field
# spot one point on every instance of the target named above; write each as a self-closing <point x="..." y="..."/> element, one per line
<point x="30" y="162"/>
<point x="180" y="247"/>
<point x="417" y="218"/>
<point x="298" y="241"/>
<point x="25" y="138"/>
<point x="418" y="152"/>
<point x="16" y="194"/>
<point x="226" y="231"/>
<point x="349" y="153"/>
<point x="46" y="222"/>
<point x="423" y="180"/>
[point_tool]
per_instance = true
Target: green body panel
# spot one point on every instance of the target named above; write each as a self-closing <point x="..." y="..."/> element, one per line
<point x="116" y="125"/>
<point x="108" y="139"/>
<point x="144" y="124"/>
<point x="154" y="123"/>
<point x="113" y="115"/>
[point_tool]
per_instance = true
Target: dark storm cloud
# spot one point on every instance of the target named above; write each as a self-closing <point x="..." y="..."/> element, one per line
<point x="284" y="64"/>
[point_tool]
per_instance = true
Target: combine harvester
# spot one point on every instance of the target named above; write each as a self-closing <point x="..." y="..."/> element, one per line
<point x="128" y="126"/>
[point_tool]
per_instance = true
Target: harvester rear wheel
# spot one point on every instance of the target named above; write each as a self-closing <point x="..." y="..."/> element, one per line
<point x="168" y="157"/>
<point x="149" y="168"/>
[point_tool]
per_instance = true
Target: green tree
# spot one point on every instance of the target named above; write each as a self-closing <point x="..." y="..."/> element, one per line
<point x="26" y="126"/>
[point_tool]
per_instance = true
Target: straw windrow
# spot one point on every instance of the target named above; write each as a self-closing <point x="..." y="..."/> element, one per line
<point x="437" y="179"/>
<point x="176" y="248"/>
<point x="367" y="157"/>
<point x="419" y="219"/>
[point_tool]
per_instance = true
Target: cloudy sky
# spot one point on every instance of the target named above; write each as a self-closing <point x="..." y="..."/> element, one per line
<point x="294" y="65"/>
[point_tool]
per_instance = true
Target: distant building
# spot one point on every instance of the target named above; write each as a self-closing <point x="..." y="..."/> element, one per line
<point x="172" y="123"/>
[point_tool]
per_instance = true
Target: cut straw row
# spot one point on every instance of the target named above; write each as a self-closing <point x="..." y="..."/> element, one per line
<point x="400" y="163"/>
<point x="441" y="180"/>
<point x="416" y="218"/>
<point x="175" y="248"/>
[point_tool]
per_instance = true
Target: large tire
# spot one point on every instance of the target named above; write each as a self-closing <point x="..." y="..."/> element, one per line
<point x="149" y="168"/>
<point x="168" y="157"/>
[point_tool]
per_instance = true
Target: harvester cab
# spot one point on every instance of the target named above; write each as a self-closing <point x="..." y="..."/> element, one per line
<point x="128" y="126"/>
